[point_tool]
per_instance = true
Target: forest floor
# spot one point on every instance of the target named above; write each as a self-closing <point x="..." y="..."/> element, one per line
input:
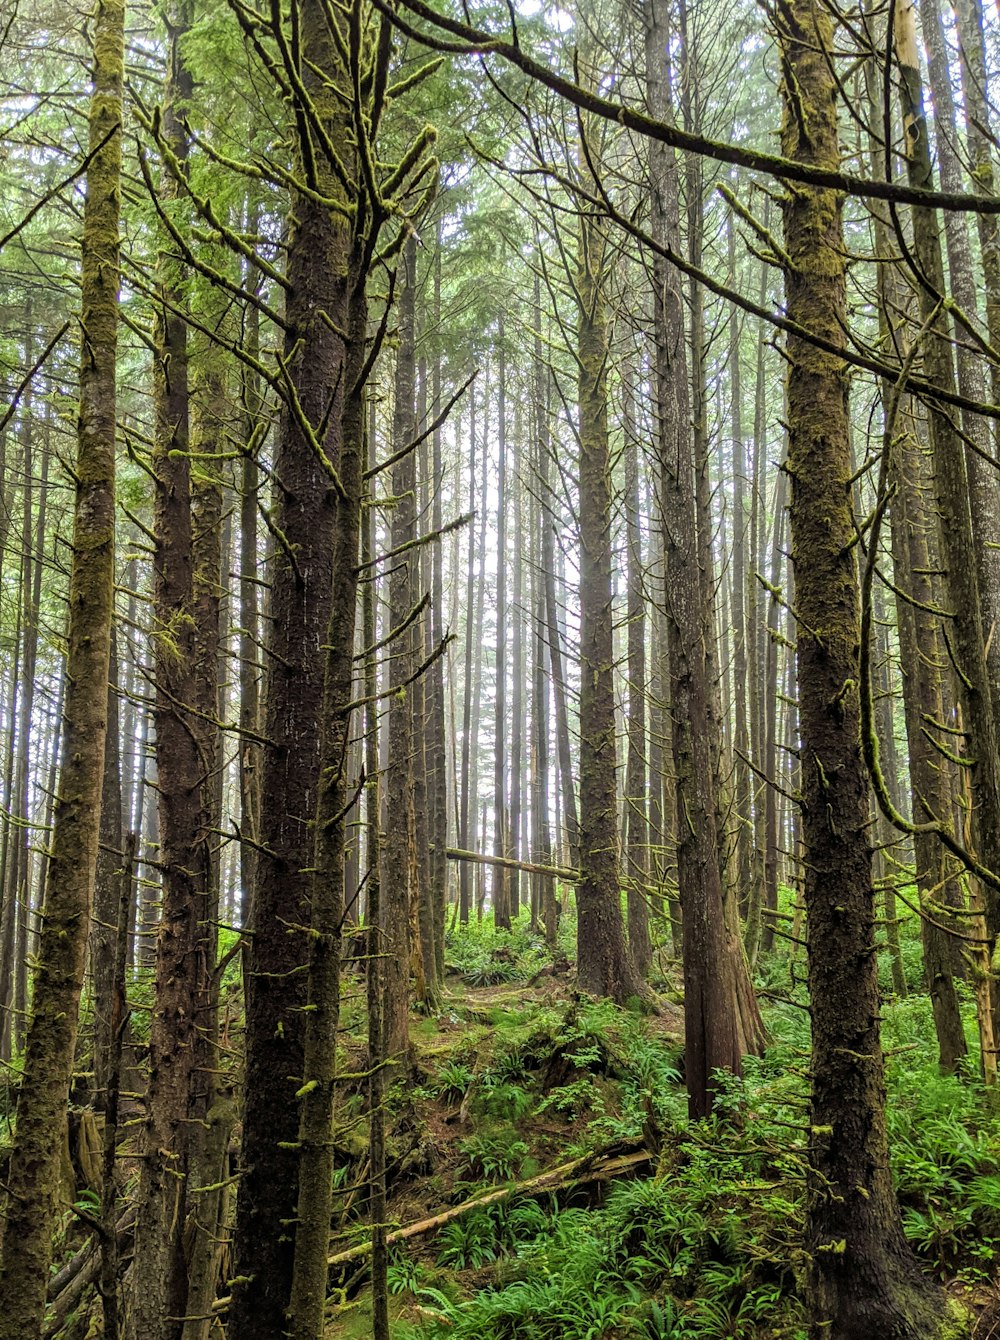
<point x="649" y="1225"/>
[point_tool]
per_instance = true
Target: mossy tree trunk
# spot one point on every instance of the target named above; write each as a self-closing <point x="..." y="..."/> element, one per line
<point x="401" y="926"/>
<point x="604" y="962"/>
<point x="966" y="532"/>
<point x="916" y="552"/>
<point x="500" y="880"/>
<point x="636" y="826"/>
<point x="41" y="1110"/>
<point x="305" y="514"/>
<point x="862" y="1277"/>
<point x="185" y="939"/>
<point x="713" y="1038"/>
<point x="336" y="788"/>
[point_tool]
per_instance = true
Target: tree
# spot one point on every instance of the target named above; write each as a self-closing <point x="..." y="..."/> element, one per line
<point x="316" y="286"/>
<point x="48" y="1064"/>
<point x="604" y="964"/>
<point x="863" y="1279"/>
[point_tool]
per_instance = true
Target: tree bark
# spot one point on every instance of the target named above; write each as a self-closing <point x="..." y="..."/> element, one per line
<point x="712" y="1029"/>
<point x="862" y="1278"/>
<point x="305" y="510"/>
<point x="604" y="963"/>
<point x="402" y="946"/>
<point x="965" y="543"/>
<point x="636" y="835"/>
<point x="48" y="1063"/>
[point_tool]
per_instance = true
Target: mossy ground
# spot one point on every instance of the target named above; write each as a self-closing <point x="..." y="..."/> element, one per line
<point x="515" y="1076"/>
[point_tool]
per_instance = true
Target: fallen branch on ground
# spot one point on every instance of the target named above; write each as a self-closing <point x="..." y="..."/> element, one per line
<point x="583" y="1171"/>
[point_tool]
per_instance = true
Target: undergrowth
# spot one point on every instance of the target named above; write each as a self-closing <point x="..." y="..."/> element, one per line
<point x="709" y="1244"/>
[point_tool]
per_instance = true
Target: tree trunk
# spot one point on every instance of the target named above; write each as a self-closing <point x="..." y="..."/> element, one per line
<point x="544" y="895"/>
<point x="437" y="758"/>
<point x="501" y="882"/>
<point x="337" y="785"/>
<point x="862" y="1278"/>
<point x="48" y="1062"/>
<point x="177" y="1059"/>
<point x="375" y="985"/>
<point x="979" y="132"/>
<point x="712" y="1032"/>
<point x="604" y="964"/>
<point x="636" y="814"/>
<point x="965" y="543"/>
<point x="743" y="817"/>
<point x="305" y="510"/>
<point x="402" y="950"/>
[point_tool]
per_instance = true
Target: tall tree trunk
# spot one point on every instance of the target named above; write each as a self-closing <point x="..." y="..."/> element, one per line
<point x="305" y="510"/>
<point x="209" y="1110"/>
<point x="48" y="1063"/>
<point x="571" y="821"/>
<point x="249" y="634"/>
<point x="467" y="804"/>
<point x="862" y="1277"/>
<point x="741" y="739"/>
<point x="107" y="894"/>
<point x="517" y="716"/>
<point x="712" y="1028"/>
<point x="984" y="488"/>
<point x="979" y="123"/>
<point x="636" y="815"/>
<point x="337" y="784"/>
<point x="604" y="964"/>
<point x="501" y="880"/>
<point x="544" y="898"/>
<point x="375" y="985"/>
<point x="966" y="537"/>
<point x="437" y="763"/>
<point x="402" y="950"/>
<point x="177" y="1059"/>
<point x="772" y="660"/>
<point x="916" y="554"/>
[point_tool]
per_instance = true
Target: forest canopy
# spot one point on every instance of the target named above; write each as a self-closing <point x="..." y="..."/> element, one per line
<point x="499" y="685"/>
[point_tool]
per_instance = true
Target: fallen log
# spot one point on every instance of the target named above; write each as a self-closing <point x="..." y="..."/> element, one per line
<point x="70" y="1283"/>
<point x="584" y="1171"/>
<point x="580" y="1172"/>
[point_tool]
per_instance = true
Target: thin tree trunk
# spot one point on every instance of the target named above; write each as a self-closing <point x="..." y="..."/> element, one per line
<point x="636" y="843"/>
<point x="436" y="734"/>
<point x="501" y="883"/>
<point x="375" y="974"/>
<point x="467" y="802"/>
<point x="401" y="949"/>
<point x="604" y="963"/>
<point x="741" y="739"/>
